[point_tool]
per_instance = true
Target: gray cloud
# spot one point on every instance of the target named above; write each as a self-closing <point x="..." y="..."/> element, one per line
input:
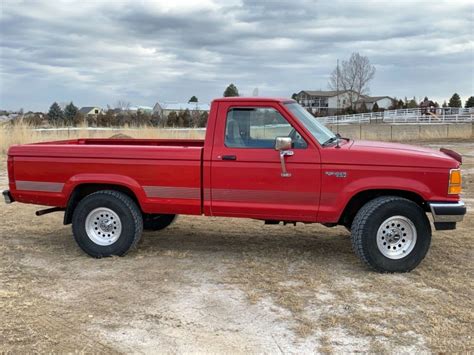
<point x="99" y="52"/>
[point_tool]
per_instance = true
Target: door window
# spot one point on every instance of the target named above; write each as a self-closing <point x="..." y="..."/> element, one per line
<point x="258" y="128"/>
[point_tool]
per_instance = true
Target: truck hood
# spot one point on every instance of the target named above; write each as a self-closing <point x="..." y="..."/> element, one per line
<point x="387" y="154"/>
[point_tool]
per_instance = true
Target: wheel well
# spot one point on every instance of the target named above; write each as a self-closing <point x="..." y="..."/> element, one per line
<point x="361" y="198"/>
<point x="84" y="190"/>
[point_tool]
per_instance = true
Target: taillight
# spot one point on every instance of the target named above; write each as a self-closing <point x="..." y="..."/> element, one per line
<point x="455" y="181"/>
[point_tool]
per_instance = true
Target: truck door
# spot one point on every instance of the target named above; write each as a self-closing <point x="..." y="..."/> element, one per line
<point x="248" y="178"/>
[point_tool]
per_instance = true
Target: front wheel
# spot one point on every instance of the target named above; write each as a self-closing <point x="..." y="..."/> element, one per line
<point x="107" y="223"/>
<point x="391" y="234"/>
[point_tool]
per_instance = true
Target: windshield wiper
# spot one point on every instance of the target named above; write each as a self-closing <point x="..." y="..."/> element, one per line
<point x="330" y="140"/>
<point x="336" y="139"/>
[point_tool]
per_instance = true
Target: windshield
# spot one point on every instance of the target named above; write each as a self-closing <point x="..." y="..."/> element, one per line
<point x="317" y="129"/>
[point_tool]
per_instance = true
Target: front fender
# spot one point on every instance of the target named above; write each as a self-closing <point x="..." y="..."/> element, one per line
<point x="338" y="190"/>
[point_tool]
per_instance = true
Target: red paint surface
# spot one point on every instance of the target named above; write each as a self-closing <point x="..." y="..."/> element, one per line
<point x="251" y="186"/>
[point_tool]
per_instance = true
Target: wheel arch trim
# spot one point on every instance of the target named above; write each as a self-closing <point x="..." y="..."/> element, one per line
<point x="82" y="185"/>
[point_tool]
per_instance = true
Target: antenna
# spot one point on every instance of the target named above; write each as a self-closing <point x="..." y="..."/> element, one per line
<point x="337" y="95"/>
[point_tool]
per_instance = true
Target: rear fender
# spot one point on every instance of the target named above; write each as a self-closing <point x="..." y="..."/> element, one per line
<point x="112" y="179"/>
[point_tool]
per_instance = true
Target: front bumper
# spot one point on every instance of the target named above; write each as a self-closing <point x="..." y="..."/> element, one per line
<point x="8" y="197"/>
<point x="447" y="212"/>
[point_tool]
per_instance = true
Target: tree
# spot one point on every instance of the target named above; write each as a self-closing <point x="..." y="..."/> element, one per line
<point x="363" y="108"/>
<point x="294" y="96"/>
<point x="375" y="108"/>
<point x="184" y="118"/>
<point x="400" y="104"/>
<point x="107" y="120"/>
<point x="444" y="104"/>
<point x="172" y="119"/>
<point x="412" y="103"/>
<point x="353" y="77"/>
<point x="123" y="105"/>
<point x="70" y="112"/>
<point x="78" y="119"/>
<point x="231" y="91"/>
<point x="203" y="119"/>
<point x="469" y="102"/>
<point x="455" y="101"/>
<point x="193" y="99"/>
<point x="55" y="114"/>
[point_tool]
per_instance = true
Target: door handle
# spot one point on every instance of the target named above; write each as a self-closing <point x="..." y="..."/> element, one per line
<point x="283" y="154"/>
<point x="229" y="157"/>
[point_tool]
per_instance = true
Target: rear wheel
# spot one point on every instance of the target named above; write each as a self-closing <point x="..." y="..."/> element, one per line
<point x="391" y="234"/>
<point x="107" y="223"/>
<point x="156" y="222"/>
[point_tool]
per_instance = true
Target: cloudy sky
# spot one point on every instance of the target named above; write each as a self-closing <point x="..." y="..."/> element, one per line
<point x="99" y="52"/>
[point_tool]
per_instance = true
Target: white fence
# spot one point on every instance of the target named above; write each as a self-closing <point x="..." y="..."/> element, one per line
<point x="416" y="115"/>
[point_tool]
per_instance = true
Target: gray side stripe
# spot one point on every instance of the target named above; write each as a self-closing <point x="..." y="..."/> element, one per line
<point x="39" y="186"/>
<point x="193" y="193"/>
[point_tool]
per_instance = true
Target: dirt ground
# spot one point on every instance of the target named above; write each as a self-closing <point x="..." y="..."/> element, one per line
<point x="230" y="285"/>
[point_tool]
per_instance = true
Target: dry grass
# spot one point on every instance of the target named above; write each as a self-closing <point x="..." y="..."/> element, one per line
<point x="23" y="133"/>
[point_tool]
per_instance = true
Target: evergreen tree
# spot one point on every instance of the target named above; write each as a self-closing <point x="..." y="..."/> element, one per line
<point x="455" y="101"/>
<point x="172" y="119"/>
<point x="70" y="112"/>
<point x="202" y="122"/>
<point x="412" y="103"/>
<point x="55" y="114"/>
<point x="400" y="104"/>
<point x="445" y="104"/>
<point x="231" y="91"/>
<point x="375" y="108"/>
<point x="193" y="99"/>
<point x="469" y="102"/>
<point x="294" y="96"/>
<point x="363" y="108"/>
<point x="184" y="118"/>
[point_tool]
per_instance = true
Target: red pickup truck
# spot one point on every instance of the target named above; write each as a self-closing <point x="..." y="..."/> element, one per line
<point x="262" y="158"/>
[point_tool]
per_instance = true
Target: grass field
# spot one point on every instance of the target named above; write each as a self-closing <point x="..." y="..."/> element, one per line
<point x="230" y="285"/>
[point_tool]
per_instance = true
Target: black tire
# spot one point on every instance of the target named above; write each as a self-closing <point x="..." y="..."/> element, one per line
<point x="370" y="218"/>
<point x="130" y="223"/>
<point x="156" y="222"/>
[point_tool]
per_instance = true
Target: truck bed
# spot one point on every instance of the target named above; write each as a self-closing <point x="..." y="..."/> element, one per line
<point x="47" y="173"/>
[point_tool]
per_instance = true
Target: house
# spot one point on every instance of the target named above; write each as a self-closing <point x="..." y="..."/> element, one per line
<point x="324" y="102"/>
<point x="164" y="109"/>
<point x="90" y="110"/>
<point x="383" y="102"/>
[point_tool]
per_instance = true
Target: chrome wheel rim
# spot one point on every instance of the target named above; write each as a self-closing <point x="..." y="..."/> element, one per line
<point x="103" y="226"/>
<point x="396" y="237"/>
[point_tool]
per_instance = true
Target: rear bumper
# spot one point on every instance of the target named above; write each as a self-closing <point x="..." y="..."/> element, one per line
<point x="447" y="212"/>
<point x="8" y="197"/>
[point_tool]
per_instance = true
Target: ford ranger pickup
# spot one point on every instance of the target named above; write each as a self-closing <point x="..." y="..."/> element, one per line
<point x="262" y="158"/>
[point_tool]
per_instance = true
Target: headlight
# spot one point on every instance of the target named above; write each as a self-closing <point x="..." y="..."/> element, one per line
<point x="454" y="187"/>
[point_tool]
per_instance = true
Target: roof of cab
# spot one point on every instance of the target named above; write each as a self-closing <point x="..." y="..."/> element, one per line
<point x="255" y="99"/>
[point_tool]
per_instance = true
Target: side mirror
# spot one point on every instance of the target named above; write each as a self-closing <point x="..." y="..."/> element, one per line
<point x="283" y="143"/>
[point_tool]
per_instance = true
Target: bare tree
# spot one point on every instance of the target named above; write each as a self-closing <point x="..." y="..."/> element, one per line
<point x="123" y="105"/>
<point x="353" y="76"/>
